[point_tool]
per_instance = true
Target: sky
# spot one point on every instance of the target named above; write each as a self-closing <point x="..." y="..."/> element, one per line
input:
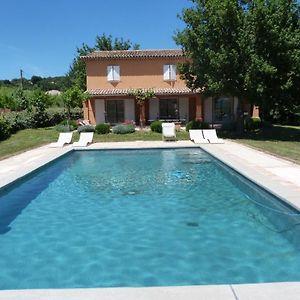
<point x="41" y="36"/>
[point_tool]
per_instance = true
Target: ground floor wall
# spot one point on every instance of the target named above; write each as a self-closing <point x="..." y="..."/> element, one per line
<point x="181" y="108"/>
<point x="119" y="109"/>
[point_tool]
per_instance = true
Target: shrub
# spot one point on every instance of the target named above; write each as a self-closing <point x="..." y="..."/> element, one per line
<point x="102" y="128"/>
<point x="252" y="123"/>
<point x="40" y="119"/>
<point x="196" y="124"/>
<point x="58" y="114"/>
<point x="156" y="126"/>
<point x="64" y="128"/>
<point x="19" y="120"/>
<point x="123" y="129"/>
<point x="73" y="123"/>
<point x="5" y="131"/>
<point x="86" y="128"/>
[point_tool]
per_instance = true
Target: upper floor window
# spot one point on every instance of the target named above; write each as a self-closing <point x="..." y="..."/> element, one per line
<point x="113" y="73"/>
<point x="169" y="72"/>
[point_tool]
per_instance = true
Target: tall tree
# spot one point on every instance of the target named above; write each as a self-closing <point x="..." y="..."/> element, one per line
<point x="248" y="48"/>
<point x="272" y="46"/>
<point x="77" y="72"/>
<point x="73" y="97"/>
<point x="211" y="42"/>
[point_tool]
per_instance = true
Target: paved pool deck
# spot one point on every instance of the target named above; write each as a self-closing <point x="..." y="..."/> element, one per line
<point x="276" y="175"/>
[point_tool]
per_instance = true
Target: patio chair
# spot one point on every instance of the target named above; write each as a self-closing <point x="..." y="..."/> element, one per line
<point x="84" y="139"/>
<point x="211" y="136"/>
<point x="196" y="135"/>
<point x="64" y="138"/>
<point x="168" y="131"/>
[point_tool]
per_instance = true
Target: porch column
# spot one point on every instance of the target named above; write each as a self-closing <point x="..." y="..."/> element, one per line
<point x="199" y="108"/>
<point x="89" y="112"/>
<point x="86" y="110"/>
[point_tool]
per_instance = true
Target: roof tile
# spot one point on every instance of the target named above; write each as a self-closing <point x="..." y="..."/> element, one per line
<point x="133" y="54"/>
<point x="157" y="91"/>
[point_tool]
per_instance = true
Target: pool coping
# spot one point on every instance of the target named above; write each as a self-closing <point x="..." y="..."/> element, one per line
<point x="31" y="160"/>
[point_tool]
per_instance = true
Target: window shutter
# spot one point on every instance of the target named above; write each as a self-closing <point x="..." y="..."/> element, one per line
<point x="110" y="73"/>
<point x="117" y="73"/>
<point x="166" y="72"/>
<point x="173" y="72"/>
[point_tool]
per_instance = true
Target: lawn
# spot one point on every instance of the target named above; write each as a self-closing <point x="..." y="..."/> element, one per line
<point x="26" y="139"/>
<point x="279" y="140"/>
<point x="32" y="138"/>
<point x="282" y="141"/>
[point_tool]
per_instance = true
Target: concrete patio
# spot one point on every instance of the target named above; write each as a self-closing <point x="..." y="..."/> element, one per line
<point x="276" y="175"/>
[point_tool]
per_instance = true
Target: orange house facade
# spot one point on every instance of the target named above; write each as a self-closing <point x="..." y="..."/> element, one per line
<point x="112" y="75"/>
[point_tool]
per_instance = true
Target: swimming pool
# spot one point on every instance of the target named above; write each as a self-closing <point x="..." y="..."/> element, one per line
<point x="143" y="218"/>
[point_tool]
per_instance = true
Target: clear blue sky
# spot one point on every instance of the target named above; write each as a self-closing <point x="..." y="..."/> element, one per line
<point x="41" y="36"/>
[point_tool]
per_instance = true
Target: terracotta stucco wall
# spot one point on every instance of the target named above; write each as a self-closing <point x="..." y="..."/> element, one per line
<point x="135" y="73"/>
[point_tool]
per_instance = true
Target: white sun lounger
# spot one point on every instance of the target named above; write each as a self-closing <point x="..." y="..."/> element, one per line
<point x="168" y="131"/>
<point x="196" y="135"/>
<point x="84" y="139"/>
<point x="211" y="136"/>
<point x="64" y="138"/>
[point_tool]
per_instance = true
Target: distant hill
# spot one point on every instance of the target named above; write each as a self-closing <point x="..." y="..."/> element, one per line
<point x="60" y="83"/>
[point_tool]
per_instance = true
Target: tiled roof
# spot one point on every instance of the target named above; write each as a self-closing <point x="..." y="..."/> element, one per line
<point x="125" y="92"/>
<point x="129" y="54"/>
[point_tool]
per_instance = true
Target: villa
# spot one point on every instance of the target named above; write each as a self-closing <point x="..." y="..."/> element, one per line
<point x="112" y="75"/>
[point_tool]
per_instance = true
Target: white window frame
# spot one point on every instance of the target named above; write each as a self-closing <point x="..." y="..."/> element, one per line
<point x="113" y="73"/>
<point x="169" y="72"/>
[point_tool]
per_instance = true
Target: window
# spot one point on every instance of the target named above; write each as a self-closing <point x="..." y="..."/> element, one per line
<point x="113" y="73"/>
<point x="168" y="109"/>
<point x="114" y="111"/>
<point x="169" y="72"/>
<point x="223" y="109"/>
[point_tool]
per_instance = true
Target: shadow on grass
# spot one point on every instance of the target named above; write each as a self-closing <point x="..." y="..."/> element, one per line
<point x="276" y="133"/>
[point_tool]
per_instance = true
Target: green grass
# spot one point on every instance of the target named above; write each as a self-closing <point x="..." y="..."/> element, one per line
<point x="26" y="139"/>
<point x="31" y="138"/>
<point x="283" y="141"/>
<point x="136" y="136"/>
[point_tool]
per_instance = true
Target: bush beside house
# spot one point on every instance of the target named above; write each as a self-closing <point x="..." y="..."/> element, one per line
<point x="156" y="126"/>
<point x="86" y="128"/>
<point x="195" y="124"/>
<point x="102" y="128"/>
<point x="18" y="120"/>
<point x="123" y="129"/>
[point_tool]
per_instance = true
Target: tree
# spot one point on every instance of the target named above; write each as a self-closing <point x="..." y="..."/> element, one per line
<point x="40" y="101"/>
<point x="35" y="79"/>
<point x="141" y="96"/>
<point x="73" y="97"/>
<point x="21" y="100"/>
<point x="247" y="48"/>
<point x="272" y="46"/>
<point x="77" y="72"/>
<point x="211" y="43"/>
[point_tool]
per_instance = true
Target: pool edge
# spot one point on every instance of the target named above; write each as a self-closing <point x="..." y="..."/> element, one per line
<point x="260" y="291"/>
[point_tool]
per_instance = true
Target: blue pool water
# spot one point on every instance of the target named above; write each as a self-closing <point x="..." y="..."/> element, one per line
<point x="143" y="218"/>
